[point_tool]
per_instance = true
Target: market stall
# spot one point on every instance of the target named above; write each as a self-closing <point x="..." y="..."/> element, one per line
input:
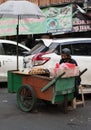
<point x="38" y="84"/>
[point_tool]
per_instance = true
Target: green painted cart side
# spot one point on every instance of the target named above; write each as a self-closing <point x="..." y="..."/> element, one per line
<point x="14" y="82"/>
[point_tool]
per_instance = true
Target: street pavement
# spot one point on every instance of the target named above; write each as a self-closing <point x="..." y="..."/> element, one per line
<point x="43" y="117"/>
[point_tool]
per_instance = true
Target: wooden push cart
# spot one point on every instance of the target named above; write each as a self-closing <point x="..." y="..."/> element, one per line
<point x="31" y="87"/>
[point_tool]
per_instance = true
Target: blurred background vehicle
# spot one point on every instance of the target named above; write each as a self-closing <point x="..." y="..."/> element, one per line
<point x="80" y="51"/>
<point x="42" y="45"/>
<point x="8" y="58"/>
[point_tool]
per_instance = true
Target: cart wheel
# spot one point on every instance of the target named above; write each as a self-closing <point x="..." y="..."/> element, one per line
<point x="26" y="98"/>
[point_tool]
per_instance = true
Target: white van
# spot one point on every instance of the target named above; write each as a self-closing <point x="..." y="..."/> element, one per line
<point x="80" y="51"/>
<point x="8" y="57"/>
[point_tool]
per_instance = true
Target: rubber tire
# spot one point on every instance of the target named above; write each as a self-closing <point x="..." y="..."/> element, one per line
<point x="23" y="100"/>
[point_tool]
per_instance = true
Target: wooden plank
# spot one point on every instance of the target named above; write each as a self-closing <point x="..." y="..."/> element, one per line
<point x="86" y="90"/>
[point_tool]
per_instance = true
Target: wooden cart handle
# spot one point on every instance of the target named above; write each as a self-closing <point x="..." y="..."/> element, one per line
<point x="51" y="82"/>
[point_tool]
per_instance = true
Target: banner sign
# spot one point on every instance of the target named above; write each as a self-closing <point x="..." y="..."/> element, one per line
<point x="81" y="25"/>
<point x="59" y="19"/>
<point x="26" y="26"/>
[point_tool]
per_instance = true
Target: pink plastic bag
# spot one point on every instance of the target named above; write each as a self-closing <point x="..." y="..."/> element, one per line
<point x="64" y="67"/>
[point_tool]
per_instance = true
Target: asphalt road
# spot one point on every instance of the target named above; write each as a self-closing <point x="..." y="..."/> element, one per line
<point x="43" y="117"/>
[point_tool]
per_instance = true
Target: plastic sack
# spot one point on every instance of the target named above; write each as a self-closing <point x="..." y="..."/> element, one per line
<point x="69" y="69"/>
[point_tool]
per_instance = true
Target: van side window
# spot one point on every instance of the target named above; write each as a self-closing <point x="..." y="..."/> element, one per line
<point x="1" y="50"/>
<point x="88" y="49"/>
<point x="57" y="50"/>
<point x="11" y="50"/>
<point x="81" y="49"/>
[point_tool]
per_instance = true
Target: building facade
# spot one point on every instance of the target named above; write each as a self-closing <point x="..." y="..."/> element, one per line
<point x="79" y="25"/>
<point x="50" y="2"/>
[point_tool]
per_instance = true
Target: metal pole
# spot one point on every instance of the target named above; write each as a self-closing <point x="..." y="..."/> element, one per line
<point x="17" y="29"/>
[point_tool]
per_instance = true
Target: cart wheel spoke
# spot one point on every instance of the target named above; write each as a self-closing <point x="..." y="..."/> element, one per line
<point x="26" y="98"/>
